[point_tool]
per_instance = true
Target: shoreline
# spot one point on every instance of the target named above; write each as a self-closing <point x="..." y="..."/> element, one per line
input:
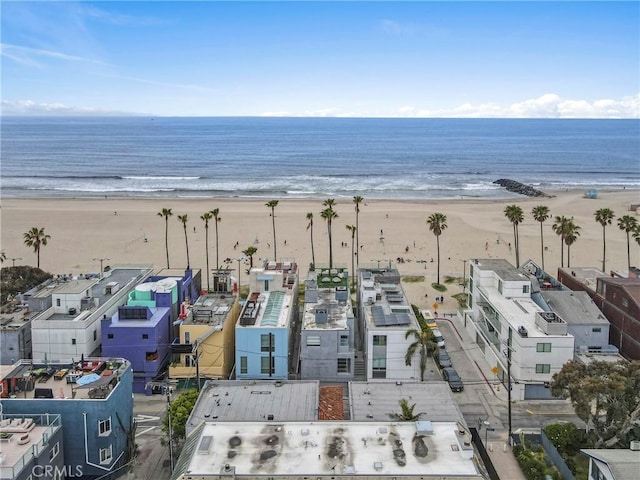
<point x="84" y="229"/>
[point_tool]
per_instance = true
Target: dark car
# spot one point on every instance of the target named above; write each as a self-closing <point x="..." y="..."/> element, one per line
<point x="451" y="376"/>
<point x="443" y="358"/>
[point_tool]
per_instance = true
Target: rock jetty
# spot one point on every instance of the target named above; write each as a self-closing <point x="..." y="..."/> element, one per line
<point x="521" y="188"/>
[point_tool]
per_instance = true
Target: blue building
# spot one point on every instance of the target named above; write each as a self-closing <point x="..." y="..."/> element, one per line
<point x="263" y="332"/>
<point x="94" y="399"/>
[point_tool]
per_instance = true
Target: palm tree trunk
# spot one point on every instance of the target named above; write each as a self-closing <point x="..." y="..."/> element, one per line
<point x="166" y="238"/>
<point x="206" y="249"/>
<point x="438" y="247"/>
<point x="38" y="257"/>
<point x="186" y="242"/>
<point x="217" y="258"/>
<point x="517" y="247"/>
<point x="561" y="251"/>
<point x="353" y="273"/>
<point x="330" y="244"/>
<point x="275" y="245"/>
<point x="604" y="248"/>
<point x="628" y="254"/>
<point x="313" y="255"/>
<point x="542" y="246"/>
<point x="357" y="239"/>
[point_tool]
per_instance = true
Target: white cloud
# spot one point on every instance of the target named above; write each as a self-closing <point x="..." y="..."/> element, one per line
<point x="29" y="55"/>
<point x="397" y="29"/>
<point x="29" y="107"/>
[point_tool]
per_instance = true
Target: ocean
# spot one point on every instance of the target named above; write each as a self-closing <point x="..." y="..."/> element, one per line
<point x="277" y="158"/>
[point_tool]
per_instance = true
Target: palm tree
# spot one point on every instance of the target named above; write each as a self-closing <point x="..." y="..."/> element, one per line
<point x="329" y="214"/>
<point x="636" y="234"/>
<point x="183" y="219"/>
<point x="36" y="238"/>
<point x="424" y="344"/>
<point x="272" y="204"/>
<point x="166" y="213"/>
<point x="437" y="224"/>
<point x="3" y="256"/>
<point x="250" y="252"/>
<point x="310" y="227"/>
<point x="206" y="216"/>
<point x="216" y="216"/>
<point x="541" y="214"/>
<point x="604" y="216"/>
<point x="561" y="227"/>
<point x="573" y="232"/>
<point x="357" y="200"/>
<point x="353" y="230"/>
<point x="406" y="412"/>
<point x="628" y="224"/>
<point x="515" y="216"/>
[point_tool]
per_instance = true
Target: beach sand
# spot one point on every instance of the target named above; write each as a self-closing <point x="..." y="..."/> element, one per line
<point x="129" y="230"/>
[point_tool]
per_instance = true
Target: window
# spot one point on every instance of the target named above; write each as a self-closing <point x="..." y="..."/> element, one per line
<point x="543" y="347"/>
<point x="264" y="365"/>
<point x="73" y="341"/>
<point x="344" y="365"/>
<point x="145" y="336"/>
<point x="500" y="286"/>
<point x="54" y="451"/>
<point x="187" y="337"/>
<point x="266" y="286"/>
<point x="95" y="335"/>
<point x="243" y="365"/>
<point x="109" y="335"/>
<point x="525" y="289"/>
<point x="104" y="427"/>
<point x="380" y="340"/>
<point x="379" y="368"/>
<point x="265" y="340"/>
<point x="190" y="360"/>
<point x="106" y="454"/>
<point x="596" y="329"/>
<point x="543" y="368"/>
<point x="313" y="341"/>
<point x="57" y="302"/>
<point x="344" y="340"/>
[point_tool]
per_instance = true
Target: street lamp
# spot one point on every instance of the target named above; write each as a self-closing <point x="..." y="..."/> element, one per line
<point x="241" y="259"/>
<point x="102" y="260"/>
<point x="464" y="275"/>
<point x="487" y="428"/>
<point x="13" y="261"/>
<point x="168" y="392"/>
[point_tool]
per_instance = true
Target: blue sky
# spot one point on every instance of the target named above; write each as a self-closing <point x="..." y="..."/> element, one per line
<point x="362" y="59"/>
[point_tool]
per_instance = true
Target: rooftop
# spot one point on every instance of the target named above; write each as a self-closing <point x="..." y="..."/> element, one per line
<point x="585" y="275"/>
<point x="390" y="309"/>
<point x="575" y="308"/>
<point x="377" y="449"/>
<point x="267" y="309"/>
<point x="255" y="400"/>
<point x="501" y="267"/>
<point x="212" y="309"/>
<point x="623" y="463"/>
<point x="94" y="379"/>
<point x="337" y="306"/>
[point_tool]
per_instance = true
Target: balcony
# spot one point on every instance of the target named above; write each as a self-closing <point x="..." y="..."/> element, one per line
<point x="177" y="347"/>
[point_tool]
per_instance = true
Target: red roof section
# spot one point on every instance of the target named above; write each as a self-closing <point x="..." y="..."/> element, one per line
<point x="331" y="406"/>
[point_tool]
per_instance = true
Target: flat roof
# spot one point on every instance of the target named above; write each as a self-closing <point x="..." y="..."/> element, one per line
<point x="212" y="308"/>
<point x="376" y="449"/>
<point x="391" y="309"/>
<point x="585" y="275"/>
<point x="337" y="311"/>
<point x="376" y="400"/>
<point x="623" y="463"/>
<point x="157" y="314"/>
<point x="501" y="267"/>
<point x="267" y="310"/>
<point x="255" y="400"/>
<point x="575" y="308"/>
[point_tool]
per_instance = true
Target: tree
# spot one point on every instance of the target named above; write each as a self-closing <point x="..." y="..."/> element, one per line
<point x="352" y="229"/>
<point x="357" y="200"/>
<point x="606" y="396"/>
<point x="627" y="223"/>
<point x="329" y="214"/>
<point x="560" y="227"/>
<point x="272" y="204"/>
<point x="573" y="232"/>
<point x="604" y="216"/>
<point x="183" y="219"/>
<point x="541" y="214"/>
<point x="515" y="215"/>
<point x="250" y="252"/>
<point x="216" y="216"/>
<point x="636" y="234"/>
<point x="406" y="412"/>
<point x="310" y="227"/>
<point x="166" y="213"/>
<point x="437" y="224"/>
<point x="423" y="344"/>
<point x="206" y="217"/>
<point x="36" y="238"/>
<point x="3" y="256"/>
<point x="180" y="410"/>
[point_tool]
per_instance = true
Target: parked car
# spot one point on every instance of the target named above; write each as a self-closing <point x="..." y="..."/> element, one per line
<point x="454" y="380"/>
<point x="443" y="358"/>
<point x="437" y="337"/>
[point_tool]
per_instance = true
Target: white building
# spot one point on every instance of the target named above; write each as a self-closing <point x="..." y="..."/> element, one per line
<point x="502" y="317"/>
<point x="385" y="316"/>
<point x="71" y="327"/>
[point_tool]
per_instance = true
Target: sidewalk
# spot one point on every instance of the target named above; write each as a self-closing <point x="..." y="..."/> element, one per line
<point x="501" y="455"/>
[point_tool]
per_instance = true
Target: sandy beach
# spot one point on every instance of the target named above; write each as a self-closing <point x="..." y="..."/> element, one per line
<point x="129" y="230"/>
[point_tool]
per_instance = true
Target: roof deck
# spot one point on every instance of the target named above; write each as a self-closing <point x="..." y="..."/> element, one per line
<point x="267" y="310"/>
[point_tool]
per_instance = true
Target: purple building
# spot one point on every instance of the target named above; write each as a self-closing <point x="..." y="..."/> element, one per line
<point x="141" y="335"/>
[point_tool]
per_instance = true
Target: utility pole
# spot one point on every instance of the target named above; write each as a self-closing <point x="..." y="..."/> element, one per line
<point x="101" y="262"/>
<point x="168" y="392"/>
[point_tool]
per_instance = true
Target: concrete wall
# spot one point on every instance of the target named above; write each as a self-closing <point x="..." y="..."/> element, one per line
<point x="320" y="362"/>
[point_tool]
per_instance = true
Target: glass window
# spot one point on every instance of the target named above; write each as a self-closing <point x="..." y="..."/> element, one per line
<point x="95" y="335"/>
<point x="57" y="302"/>
<point x="109" y="335"/>
<point x="344" y="340"/>
<point x="190" y="360"/>
<point x="543" y="368"/>
<point x="145" y="336"/>
<point x="104" y="427"/>
<point x="379" y="367"/>
<point x="596" y="329"/>
<point x="106" y="454"/>
<point x="265" y="340"/>
<point x="264" y="365"/>
<point x="54" y="451"/>
<point x="243" y="364"/>
<point x="73" y="341"/>
<point x="313" y="341"/>
<point x="380" y="340"/>
<point x="500" y="286"/>
<point x="344" y="365"/>
<point x="543" y="347"/>
<point x="525" y="289"/>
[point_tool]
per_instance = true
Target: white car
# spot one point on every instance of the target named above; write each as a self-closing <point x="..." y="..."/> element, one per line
<point x="437" y="336"/>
